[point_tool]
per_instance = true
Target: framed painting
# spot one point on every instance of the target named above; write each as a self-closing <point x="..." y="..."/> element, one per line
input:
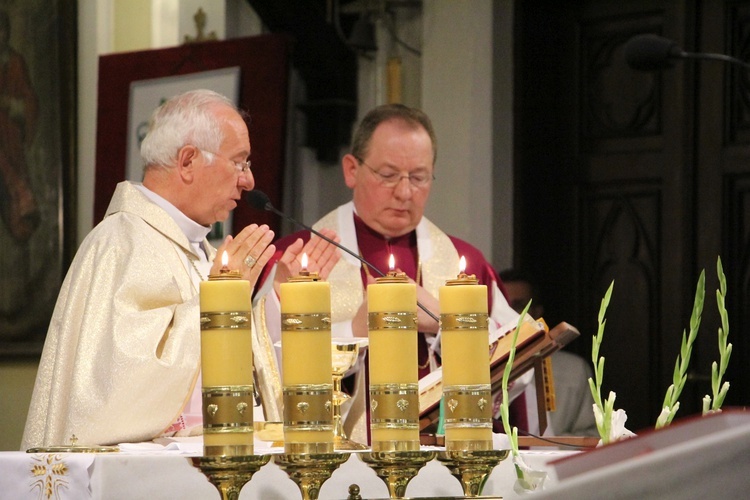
<point x="253" y="71"/>
<point x="37" y="165"/>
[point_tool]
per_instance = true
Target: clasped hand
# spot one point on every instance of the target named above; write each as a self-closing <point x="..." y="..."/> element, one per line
<point x="248" y="252"/>
<point x="251" y="249"/>
<point x="321" y="257"/>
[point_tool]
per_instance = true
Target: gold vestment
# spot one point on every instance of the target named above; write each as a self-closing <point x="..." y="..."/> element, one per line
<point x="122" y="352"/>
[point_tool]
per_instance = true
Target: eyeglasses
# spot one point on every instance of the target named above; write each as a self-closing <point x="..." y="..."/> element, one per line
<point x="391" y="178"/>
<point x="242" y="167"/>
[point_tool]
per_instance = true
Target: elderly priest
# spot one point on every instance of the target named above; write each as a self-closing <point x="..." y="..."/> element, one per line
<point x="121" y="362"/>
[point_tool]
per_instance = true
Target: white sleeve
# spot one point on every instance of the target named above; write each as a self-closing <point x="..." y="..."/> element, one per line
<point x="504" y="318"/>
<point x="342" y="329"/>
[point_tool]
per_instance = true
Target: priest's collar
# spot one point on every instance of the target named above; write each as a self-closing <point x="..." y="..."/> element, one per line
<point x="363" y="229"/>
<point x="377" y="249"/>
<point x="194" y="232"/>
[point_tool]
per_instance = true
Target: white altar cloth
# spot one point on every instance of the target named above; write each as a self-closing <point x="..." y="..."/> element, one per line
<point x="702" y="458"/>
<point x="168" y="474"/>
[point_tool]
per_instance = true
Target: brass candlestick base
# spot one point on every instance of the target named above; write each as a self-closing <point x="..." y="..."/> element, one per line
<point x="230" y="474"/>
<point x="472" y="468"/>
<point x="397" y="468"/>
<point x="310" y="471"/>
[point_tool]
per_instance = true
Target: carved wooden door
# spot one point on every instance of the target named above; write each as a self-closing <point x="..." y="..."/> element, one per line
<point x="641" y="178"/>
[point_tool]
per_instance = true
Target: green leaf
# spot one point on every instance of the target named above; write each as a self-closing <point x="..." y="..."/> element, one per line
<point x="725" y="348"/>
<point x="504" y="406"/>
<point x="598" y="362"/>
<point x="679" y="377"/>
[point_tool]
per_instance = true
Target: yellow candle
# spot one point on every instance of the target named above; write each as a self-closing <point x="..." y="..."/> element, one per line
<point x="226" y="354"/>
<point x="393" y="352"/>
<point x="306" y="363"/>
<point x="465" y="353"/>
<point x="466" y="367"/>
<point x="394" y="402"/>
<point x="306" y="354"/>
<point x="226" y="364"/>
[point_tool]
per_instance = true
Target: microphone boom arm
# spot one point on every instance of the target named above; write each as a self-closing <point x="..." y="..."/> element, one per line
<point x="652" y="52"/>
<point x="715" y="57"/>
<point x="273" y="209"/>
<point x="268" y="206"/>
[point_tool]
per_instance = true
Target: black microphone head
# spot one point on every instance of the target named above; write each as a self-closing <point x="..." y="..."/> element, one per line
<point x="649" y="52"/>
<point x="259" y="199"/>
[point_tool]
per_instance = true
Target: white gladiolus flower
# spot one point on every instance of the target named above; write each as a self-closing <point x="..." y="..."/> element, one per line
<point x="666" y="414"/>
<point x="617" y="429"/>
<point x="531" y="480"/>
<point x="617" y="421"/>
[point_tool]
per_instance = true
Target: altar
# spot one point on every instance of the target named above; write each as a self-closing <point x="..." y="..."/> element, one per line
<point x="158" y="472"/>
<point x="697" y="457"/>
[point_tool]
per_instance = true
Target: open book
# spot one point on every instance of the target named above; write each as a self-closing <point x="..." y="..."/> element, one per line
<point x="535" y="341"/>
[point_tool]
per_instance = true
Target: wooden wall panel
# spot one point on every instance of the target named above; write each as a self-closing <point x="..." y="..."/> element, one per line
<point x="650" y="176"/>
<point x="622" y="234"/>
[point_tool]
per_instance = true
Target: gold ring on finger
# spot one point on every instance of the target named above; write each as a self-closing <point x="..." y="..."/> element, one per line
<point x="250" y="261"/>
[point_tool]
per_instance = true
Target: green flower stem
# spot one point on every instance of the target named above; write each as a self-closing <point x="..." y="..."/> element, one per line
<point x="505" y="405"/>
<point x="596" y="385"/>
<point x="671" y="403"/>
<point x="718" y="389"/>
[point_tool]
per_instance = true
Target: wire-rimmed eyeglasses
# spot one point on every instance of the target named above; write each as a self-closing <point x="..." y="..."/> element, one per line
<point x="391" y="178"/>
<point x="242" y="167"/>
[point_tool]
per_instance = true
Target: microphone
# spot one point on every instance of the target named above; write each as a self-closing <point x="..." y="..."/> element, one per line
<point x="259" y="199"/>
<point x="650" y="52"/>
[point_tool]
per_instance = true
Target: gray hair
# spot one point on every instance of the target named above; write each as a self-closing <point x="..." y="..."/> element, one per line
<point x="184" y="119"/>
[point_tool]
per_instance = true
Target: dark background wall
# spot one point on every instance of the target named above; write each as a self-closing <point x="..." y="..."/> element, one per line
<point x="641" y="178"/>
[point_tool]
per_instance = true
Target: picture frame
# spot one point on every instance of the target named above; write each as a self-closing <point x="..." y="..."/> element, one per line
<point x="38" y="47"/>
<point x="263" y="63"/>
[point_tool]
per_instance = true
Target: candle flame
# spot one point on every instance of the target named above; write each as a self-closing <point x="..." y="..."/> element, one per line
<point x="391" y="263"/>
<point x="304" y="261"/>
<point x="462" y="265"/>
<point x="224" y="259"/>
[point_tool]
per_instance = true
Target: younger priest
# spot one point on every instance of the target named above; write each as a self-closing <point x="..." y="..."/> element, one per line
<point x="390" y="171"/>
